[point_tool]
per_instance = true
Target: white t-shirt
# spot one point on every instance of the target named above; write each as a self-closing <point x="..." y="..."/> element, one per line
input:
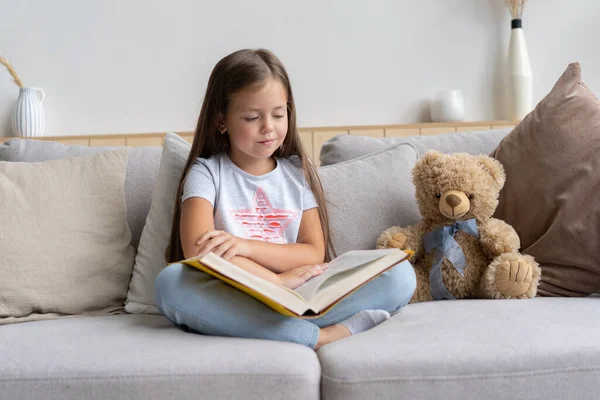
<point x="267" y="207"/>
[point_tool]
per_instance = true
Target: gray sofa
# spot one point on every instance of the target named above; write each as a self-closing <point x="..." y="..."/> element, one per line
<point x="544" y="348"/>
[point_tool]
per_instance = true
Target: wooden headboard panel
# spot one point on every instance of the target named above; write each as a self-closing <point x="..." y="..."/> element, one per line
<point x="312" y="138"/>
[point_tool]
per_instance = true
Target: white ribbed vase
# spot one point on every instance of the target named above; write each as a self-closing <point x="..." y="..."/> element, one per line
<point x="520" y="81"/>
<point x="28" y="114"/>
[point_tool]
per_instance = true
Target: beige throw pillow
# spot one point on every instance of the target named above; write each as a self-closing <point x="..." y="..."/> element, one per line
<point x="150" y="258"/>
<point x="65" y="246"/>
<point x="552" y="191"/>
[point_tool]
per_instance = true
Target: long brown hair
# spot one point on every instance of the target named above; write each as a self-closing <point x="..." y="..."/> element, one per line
<point x="235" y="72"/>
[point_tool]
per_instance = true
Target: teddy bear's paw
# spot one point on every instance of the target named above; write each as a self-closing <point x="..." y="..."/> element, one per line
<point x="398" y="241"/>
<point x="514" y="277"/>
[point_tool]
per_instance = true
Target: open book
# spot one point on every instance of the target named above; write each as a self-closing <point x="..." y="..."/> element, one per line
<point x="344" y="275"/>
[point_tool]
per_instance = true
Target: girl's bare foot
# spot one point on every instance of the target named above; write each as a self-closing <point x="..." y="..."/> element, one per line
<point x="331" y="334"/>
<point x="359" y="322"/>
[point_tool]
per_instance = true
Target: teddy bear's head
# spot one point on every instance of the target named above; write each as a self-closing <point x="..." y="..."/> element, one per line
<point x="457" y="186"/>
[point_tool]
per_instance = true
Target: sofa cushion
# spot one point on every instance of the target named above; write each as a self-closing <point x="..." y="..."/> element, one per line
<point x="347" y="147"/>
<point x="552" y="191"/>
<point x="146" y="357"/>
<point x="142" y="165"/>
<point x="367" y="195"/>
<point x="150" y="258"/>
<point x="544" y="348"/>
<point x="65" y="243"/>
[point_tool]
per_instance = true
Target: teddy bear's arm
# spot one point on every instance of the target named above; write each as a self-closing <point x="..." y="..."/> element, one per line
<point x="498" y="237"/>
<point x="404" y="238"/>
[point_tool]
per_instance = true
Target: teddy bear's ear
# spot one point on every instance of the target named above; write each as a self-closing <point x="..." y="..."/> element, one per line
<point x="493" y="167"/>
<point x="430" y="156"/>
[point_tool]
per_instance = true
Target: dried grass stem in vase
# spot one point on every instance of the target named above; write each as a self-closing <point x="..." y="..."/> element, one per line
<point x="11" y="71"/>
<point x="515" y="7"/>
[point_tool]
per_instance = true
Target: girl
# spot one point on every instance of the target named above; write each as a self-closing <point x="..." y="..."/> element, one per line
<point x="250" y="194"/>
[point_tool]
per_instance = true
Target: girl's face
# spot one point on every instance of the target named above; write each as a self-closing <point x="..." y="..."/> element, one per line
<point x="256" y="122"/>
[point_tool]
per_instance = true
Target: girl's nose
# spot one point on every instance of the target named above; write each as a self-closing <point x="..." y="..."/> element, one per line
<point x="267" y="125"/>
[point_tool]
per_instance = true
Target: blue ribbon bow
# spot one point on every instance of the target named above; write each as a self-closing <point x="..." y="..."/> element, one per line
<point x="442" y="240"/>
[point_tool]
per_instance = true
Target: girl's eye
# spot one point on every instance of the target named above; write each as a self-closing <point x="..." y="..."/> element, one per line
<point x="249" y="119"/>
<point x="279" y="116"/>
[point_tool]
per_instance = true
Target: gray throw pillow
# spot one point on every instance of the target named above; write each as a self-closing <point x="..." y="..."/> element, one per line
<point x="367" y="195"/>
<point x="347" y="147"/>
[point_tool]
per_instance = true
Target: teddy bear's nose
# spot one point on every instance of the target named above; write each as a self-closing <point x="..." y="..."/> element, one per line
<point x="453" y="200"/>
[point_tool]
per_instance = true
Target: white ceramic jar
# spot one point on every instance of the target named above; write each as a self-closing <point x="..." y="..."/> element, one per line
<point x="447" y="106"/>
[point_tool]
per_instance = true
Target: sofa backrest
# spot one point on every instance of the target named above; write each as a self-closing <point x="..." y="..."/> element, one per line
<point x="368" y="181"/>
<point x="347" y="147"/>
<point x="142" y="166"/>
<point x="143" y="162"/>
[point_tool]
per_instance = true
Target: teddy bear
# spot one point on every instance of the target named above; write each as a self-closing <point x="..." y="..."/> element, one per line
<point x="460" y="251"/>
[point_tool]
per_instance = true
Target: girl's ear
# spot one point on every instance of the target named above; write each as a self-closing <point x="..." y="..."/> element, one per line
<point x="221" y="123"/>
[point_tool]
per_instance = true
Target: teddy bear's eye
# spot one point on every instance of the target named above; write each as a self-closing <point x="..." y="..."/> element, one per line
<point x="470" y="196"/>
<point x="438" y="195"/>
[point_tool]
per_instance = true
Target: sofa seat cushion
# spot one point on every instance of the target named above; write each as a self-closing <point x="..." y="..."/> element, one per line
<point x="544" y="348"/>
<point x="146" y="357"/>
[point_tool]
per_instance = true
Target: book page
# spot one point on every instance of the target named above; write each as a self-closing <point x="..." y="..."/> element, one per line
<point x="341" y="284"/>
<point x="343" y="264"/>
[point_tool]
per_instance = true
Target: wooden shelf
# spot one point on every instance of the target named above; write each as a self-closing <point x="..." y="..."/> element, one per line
<point x="312" y="137"/>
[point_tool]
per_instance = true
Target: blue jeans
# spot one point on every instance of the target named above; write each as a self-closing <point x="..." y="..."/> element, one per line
<point x="194" y="300"/>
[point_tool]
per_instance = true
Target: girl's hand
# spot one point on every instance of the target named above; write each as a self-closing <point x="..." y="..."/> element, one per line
<point x="299" y="275"/>
<point x="222" y="244"/>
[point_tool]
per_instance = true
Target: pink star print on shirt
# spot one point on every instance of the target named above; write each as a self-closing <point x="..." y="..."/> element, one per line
<point x="262" y="221"/>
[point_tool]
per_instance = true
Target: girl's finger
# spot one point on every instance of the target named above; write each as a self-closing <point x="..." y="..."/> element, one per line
<point x="210" y="245"/>
<point x="230" y="253"/>
<point x="216" y="242"/>
<point x="319" y="267"/>
<point x="306" y="275"/>
<point x="312" y="272"/>
<point x="208" y="235"/>
<point x="203" y="238"/>
<point x="223" y="247"/>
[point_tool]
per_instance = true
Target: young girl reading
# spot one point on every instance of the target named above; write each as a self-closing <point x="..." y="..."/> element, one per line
<point x="250" y="194"/>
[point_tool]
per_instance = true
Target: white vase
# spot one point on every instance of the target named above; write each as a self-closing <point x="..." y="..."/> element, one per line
<point x="520" y="82"/>
<point x="28" y="114"/>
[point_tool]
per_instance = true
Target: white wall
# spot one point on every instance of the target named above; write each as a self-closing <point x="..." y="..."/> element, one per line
<point x="122" y="66"/>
